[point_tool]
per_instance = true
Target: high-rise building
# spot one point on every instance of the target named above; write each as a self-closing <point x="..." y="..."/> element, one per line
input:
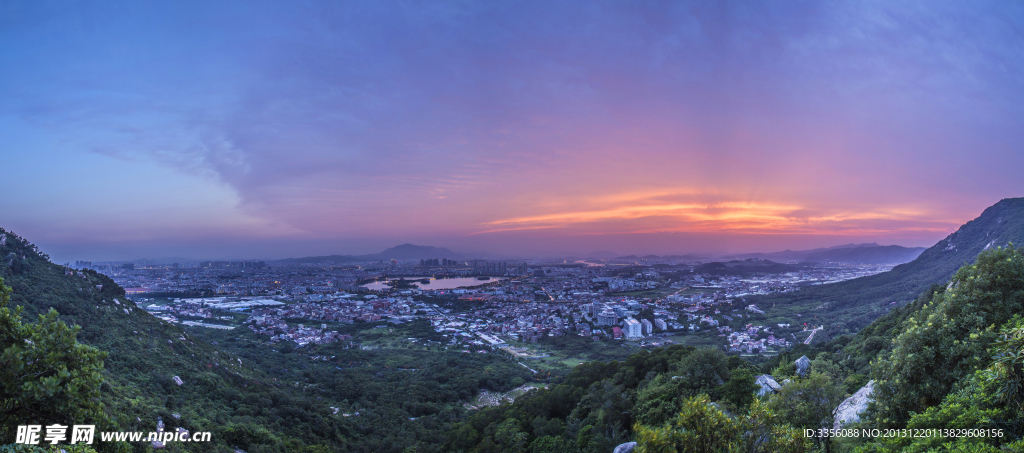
<point x="607" y="318"/>
<point x="648" y="328"/>
<point x="632" y="328"/>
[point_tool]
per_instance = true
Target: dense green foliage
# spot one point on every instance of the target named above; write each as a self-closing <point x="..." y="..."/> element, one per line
<point x="46" y="376"/>
<point x="249" y="394"/>
<point x="978" y="401"/>
<point x="598" y="404"/>
<point x="386" y="398"/>
<point x="1008" y="365"/>
<point x="944" y="354"/>
<point x="701" y="427"/>
<point x="948" y="339"/>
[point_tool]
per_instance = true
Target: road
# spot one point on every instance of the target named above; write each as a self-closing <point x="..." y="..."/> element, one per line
<point x="811" y="337"/>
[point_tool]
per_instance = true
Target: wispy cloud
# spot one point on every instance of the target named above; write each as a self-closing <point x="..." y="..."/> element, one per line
<point x="634" y="214"/>
<point x="369" y="119"/>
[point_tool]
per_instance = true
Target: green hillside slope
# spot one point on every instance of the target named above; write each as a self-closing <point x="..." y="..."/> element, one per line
<point x="250" y="394"/>
<point x="848" y="306"/>
<point x="145" y="354"/>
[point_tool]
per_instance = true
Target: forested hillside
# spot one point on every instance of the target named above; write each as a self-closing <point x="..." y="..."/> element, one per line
<point x="249" y="395"/>
<point x="952" y="360"/>
<point x="948" y="356"/>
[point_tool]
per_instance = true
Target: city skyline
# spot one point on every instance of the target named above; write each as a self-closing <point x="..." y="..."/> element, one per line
<point x="269" y="130"/>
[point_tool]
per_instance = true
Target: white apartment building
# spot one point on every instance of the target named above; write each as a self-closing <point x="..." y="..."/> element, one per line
<point x="647" y="327"/>
<point x="632" y="328"/>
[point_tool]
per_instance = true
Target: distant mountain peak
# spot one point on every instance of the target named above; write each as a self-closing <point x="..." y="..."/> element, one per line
<point x="853" y="246"/>
<point x="999" y="225"/>
<point x="412" y="251"/>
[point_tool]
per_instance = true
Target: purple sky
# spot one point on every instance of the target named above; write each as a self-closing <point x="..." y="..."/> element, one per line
<point x="278" y="129"/>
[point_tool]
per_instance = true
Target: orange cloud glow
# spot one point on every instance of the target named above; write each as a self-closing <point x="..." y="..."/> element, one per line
<point x="650" y="213"/>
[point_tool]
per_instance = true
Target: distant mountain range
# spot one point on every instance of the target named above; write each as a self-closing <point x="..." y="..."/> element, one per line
<point x="856" y="302"/>
<point x="869" y="253"/>
<point x="401" y="252"/>
<point x="156" y="370"/>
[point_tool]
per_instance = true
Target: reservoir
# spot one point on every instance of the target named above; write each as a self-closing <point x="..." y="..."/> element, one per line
<point x="442" y="283"/>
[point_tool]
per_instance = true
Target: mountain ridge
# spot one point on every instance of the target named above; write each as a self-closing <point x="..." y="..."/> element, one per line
<point x="146" y="354"/>
<point x="866" y="253"/>
<point x="405" y="251"/>
<point x="853" y="304"/>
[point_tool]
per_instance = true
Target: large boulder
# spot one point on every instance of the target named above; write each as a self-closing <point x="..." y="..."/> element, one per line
<point x="627" y="447"/>
<point x="768" y="385"/>
<point x="850" y="409"/>
<point x="803" y="366"/>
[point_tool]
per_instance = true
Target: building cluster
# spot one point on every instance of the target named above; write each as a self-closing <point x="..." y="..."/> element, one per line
<point x="531" y="302"/>
<point x="443" y="262"/>
<point x="753" y="339"/>
<point x="499" y="268"/>
<point x="256" y="278"/>
<point x="233" y="264"/>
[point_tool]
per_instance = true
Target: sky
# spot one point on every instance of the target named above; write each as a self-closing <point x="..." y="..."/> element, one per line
<point x="216" y="129"/>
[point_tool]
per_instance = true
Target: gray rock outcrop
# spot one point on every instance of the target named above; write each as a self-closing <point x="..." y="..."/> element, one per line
<point x="627" y="447"/>
<point x="803" y="366"/>
<point x="768" y="385"/>
<point x="850" y="409"/>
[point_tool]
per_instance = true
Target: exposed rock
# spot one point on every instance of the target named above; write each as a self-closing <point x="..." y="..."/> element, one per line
<point x="768" y="384"/>
<point x="803" y="365"/>
<point x="850" y="409"/>
<point x="627" y="447"/>
<point x="721" y="408"/>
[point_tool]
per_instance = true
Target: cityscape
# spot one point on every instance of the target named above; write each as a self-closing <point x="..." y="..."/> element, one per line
<point x="364" y="226"/>
<point x="648" y="304"/>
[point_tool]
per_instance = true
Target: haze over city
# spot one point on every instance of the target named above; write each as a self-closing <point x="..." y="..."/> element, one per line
<point x="285" y="129"/>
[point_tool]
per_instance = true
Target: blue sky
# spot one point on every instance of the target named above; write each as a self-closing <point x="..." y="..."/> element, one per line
<point x="248" y="129"/>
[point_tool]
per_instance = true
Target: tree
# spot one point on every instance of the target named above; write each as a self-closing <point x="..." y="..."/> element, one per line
<point x="553" y="444"/>
<point x="739" y="390"/>
<point x="764" y="431"/>
<point x="704" y="370"/>
<point x="810" y="403"/>
<point x="1007" y="369"/>
<point x="702" y="427"/>
<point x="949" y="337"/>
<point x="699" y="428"/>
<point x="46" y="376"/>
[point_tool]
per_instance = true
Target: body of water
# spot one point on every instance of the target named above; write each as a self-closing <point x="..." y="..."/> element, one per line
<point x="443" y="283"/>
